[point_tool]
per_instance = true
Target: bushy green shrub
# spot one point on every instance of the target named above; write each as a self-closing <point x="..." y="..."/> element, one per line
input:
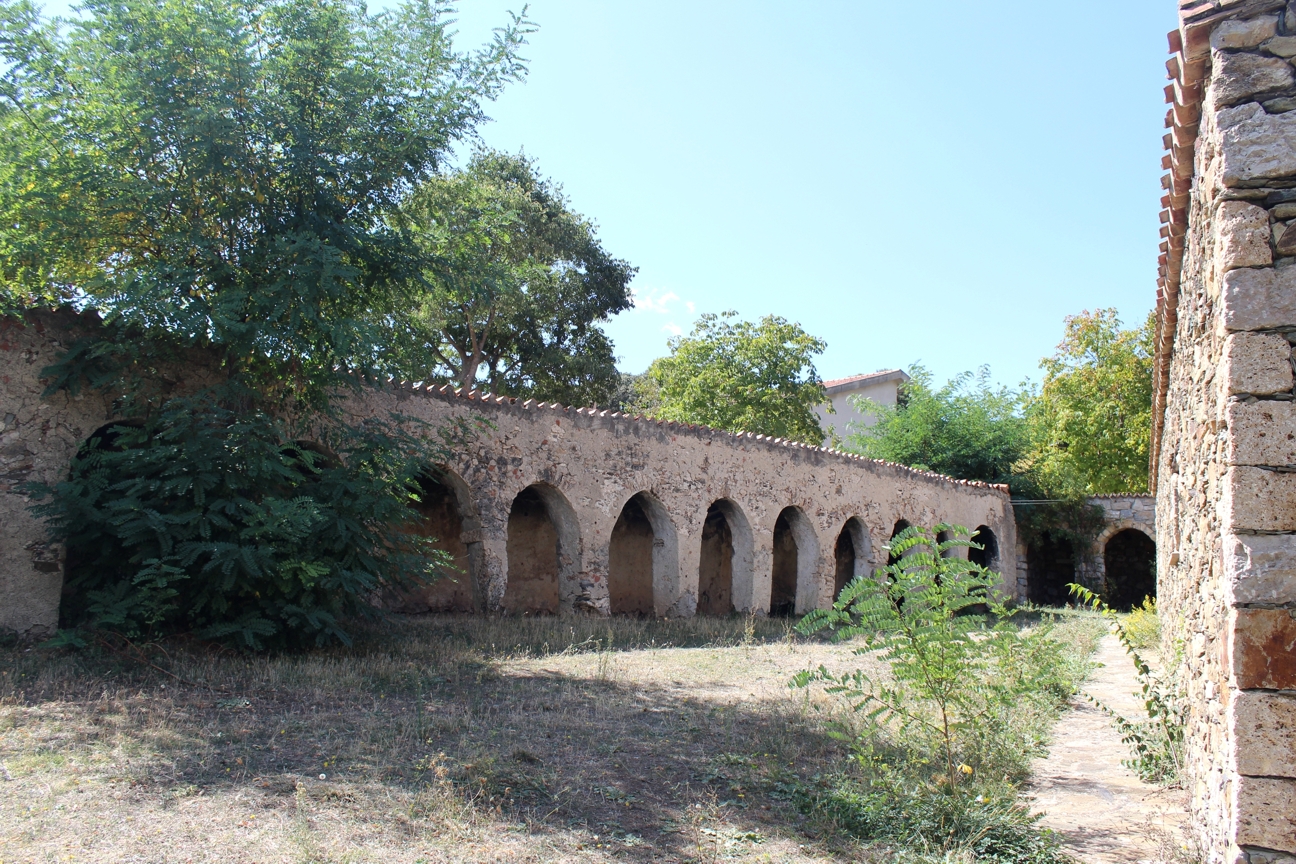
<point x="1143" y="626"/>
<point x="205" y="521"/>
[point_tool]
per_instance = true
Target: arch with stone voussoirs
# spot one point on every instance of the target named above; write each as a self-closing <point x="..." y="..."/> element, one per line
<point x="1095" y="566"/>
<point x="1092" y="570"/>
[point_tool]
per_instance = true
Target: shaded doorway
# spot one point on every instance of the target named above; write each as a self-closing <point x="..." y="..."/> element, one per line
<point x="533" y="557"/>
<point x="1050" y="563"/>
<point x="850" y="555"/>
<point x="715" y="573"/>
<point x="630" y="561"/>
<point x="794" y="554"/>
<point x="441" y="517"/>
<point x="1129" y="559"/>
<point x="988" y="555"/>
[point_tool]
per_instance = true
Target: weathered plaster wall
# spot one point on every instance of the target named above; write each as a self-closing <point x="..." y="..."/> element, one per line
<point x="594" y="462"/>
<point x="578" y="468"/>
<point x="1226" y="449"/>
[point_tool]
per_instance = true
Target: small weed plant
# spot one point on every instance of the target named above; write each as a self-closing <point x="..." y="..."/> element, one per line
<point x="969" y="701"/>
<point x="1143" y="625"/>
<point x="1157" y="743"/>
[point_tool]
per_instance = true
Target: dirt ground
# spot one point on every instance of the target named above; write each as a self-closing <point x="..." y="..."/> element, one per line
<point x="445" y="740"/>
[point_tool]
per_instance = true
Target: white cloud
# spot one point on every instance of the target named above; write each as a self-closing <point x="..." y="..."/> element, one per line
<point x="688" y="304"/>
<point x="657" y="300"/>
<point x="673" y="329"/>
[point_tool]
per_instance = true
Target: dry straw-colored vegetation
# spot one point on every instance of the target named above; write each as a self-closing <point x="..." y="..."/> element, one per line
<point x="433" y="739"/>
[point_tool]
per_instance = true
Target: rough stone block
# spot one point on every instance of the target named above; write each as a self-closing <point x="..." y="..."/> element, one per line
<point x="1261" y="568"/>
<point x="1258" y="364"/>
<point x="1283" y="46"/>
<point x="1255" y="145"/>
<point x="1264" y="649"/>
<point x="1244" y="34"/>
<point x="1264" y="734"/>
<point x="1266" y="811"/>
<point x="1242" y="236"/>
<point x="1260" y="299"/>
<point x="1262" y="433"/>
<point x="1258" y="500"/>
<point x="1242" y="76"/>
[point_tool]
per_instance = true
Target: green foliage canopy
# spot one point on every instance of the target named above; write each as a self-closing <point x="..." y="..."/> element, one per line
<point x="743" y="377"/>
<point x="966" y="428"/>
<point x="1091" y="424"/>
<point x="221" y="182"/>
<point x="516" y="286"/>
<point x="223" y="172"/>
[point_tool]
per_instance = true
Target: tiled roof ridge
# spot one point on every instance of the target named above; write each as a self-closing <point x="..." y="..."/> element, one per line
<point x="863" y="376"/>
<point x="1106" y="495"/>
<point x="451" y="392"/>
<point x="1187" y="67"/>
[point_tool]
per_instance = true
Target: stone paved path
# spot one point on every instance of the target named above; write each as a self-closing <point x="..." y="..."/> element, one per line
<point x="1104" y="812"/>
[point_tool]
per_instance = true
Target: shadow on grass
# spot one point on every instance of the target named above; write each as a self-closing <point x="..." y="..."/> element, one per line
<point x="552" y="727"/>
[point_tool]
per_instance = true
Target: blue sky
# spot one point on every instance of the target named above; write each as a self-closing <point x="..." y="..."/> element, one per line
<point x="942" y="181"/>
<point x="939" y="182"/>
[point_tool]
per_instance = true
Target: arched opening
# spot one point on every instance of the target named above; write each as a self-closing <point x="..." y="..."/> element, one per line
<point x="445" y="515"/>
<point x="900" y="525"/>
<point x="850" y="555"/>
<point x="1130" y="561"/>
<point x="642" y="556"/>
<point x="988" y="555"/>
<point x="794" y="556"/>
<point x="1050" y="562"/>
<point x="534" y="556"/>
<point x="725" y="560"/>
<point x="715" y="573"/>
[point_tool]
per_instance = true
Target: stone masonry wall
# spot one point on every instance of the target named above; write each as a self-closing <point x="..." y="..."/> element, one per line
<point x="581" y="465"/>
<point x="1225" y="459"/>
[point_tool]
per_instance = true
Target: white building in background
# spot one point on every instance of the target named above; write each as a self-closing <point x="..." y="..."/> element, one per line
<point x="882" y="387"/>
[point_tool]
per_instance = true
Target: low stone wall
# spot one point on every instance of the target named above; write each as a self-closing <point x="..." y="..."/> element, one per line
<point x="1225" y="447"/>
<point x="578" y="468"/>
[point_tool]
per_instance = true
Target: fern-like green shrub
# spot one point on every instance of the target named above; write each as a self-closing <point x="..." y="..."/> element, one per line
<point x="968" y="688"/>
<point x="217" y="523"/>
<point x="970" y="700"/>
<point x="1156" y="743"/>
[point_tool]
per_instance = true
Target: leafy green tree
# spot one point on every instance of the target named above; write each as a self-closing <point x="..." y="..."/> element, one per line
<point x="743" y="377"/>
<point x="1091" y="423"/>
<point x="221" y="181"/>
<point x="966" y="428"/>
<point x="516" y="286"/>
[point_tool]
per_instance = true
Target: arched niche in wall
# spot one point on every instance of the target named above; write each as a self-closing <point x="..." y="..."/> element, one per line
<point x="1129" y="559"/>
<point x="988" y="555"/>
<point x="850" y="555"/>
<point x="543" y="550"/>
<point x="796" y="549"/>
<point x="447" y="514"/>
<point x="900" y="525"/>
<point x="643" y="556"/>
<point x="726" y="552"/>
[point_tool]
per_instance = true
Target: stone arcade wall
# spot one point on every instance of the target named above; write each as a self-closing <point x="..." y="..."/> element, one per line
<point x="1224" y="446"/>
<point x="582" y="467"/>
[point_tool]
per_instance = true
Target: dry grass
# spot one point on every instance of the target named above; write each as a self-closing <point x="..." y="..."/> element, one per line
<point x="436" y="739"/>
